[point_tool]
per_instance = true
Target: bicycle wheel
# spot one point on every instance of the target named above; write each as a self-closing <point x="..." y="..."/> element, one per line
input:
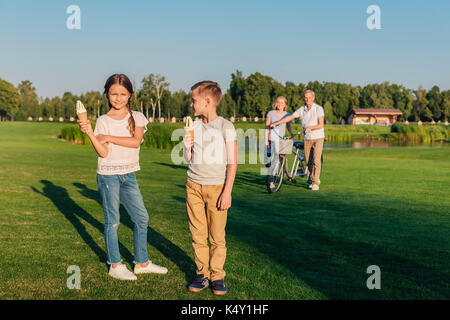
<point x="302" y="167"/>
<point x="274" y="180"/>
<point x="290" y="173"/>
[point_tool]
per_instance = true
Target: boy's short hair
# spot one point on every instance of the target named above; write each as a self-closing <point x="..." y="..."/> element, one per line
<point x="210" y="88"/>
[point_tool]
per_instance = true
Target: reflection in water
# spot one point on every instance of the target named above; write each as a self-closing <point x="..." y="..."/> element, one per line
<point x="360" y="144"/>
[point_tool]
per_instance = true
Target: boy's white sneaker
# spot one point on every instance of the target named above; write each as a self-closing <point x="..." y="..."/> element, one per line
<point x="121" y="272"/>
<point x="150" y="268"/>
<point x="315" y="187"/>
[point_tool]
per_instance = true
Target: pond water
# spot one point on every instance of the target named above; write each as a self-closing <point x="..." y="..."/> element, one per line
<point x="360" y="144"/>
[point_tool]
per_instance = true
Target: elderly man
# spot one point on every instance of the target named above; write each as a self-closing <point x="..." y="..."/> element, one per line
<point x="312" y="118"/>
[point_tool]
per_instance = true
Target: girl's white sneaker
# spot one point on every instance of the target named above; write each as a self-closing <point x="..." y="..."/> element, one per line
<point x="121" y="272"/>
<point x="150" y="268"/>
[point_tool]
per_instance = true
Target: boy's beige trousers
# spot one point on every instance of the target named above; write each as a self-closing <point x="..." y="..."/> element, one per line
<point x="205" y="220"/>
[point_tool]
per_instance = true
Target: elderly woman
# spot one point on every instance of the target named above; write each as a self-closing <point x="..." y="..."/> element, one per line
<point x="273" y="136"/>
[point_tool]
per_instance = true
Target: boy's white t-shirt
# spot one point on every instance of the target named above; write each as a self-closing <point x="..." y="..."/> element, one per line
<point x="208" y="165"/>
<point x="120" y="160"/>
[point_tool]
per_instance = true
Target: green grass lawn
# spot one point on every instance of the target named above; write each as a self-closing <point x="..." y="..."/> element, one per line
<point x="387" y="207"/>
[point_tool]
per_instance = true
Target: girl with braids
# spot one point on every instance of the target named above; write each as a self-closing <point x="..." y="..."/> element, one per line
<point x="117" y="139"/>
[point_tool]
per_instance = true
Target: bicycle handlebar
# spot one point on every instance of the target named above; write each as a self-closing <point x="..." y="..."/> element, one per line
<point x="286" y="138"/>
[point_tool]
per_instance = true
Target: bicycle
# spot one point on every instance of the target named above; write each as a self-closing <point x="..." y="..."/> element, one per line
<point x="281" y="169"/>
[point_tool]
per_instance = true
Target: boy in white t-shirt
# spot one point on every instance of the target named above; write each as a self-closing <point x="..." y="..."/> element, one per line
<point x="212" y="158"/>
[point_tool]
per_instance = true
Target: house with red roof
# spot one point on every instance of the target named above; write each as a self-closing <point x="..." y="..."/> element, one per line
<point x="375" y="116"/>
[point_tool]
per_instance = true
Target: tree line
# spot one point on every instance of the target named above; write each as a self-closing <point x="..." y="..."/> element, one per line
<point x="249" y="97"/>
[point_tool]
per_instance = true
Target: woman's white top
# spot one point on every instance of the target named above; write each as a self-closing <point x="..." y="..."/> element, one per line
<point x="280" y="130"/>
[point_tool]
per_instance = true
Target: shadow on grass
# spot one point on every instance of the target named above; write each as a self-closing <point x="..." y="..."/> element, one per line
<point x="154" y="238"/>
<point x="179" y="199"/>
<point x="331" y="262"/>
<point x="258" y="181"/>
<point x="173" y="166"/>
<point x="74" y="213"/>
<point x="250" y="179"/>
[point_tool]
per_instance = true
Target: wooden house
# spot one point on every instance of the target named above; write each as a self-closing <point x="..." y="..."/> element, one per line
<point x="385" y="117"/>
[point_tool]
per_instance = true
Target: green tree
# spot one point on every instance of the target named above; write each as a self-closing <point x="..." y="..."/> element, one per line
<point x="257" y="95"/>
<point x="46" y="108"/>
<point x="446" y="105"/>
<point x="179" y="103"/>
<point x="364" y="97"/>
<point x="153" y="87"/>
<point x="345" y="98"/>
<point x="426" y="114"/>
<point x="237" y="90"/>
<point x="93" y="101"/>
<point x="381" y="97"/>
<point x="227" y="106"/>
<point x="69" y="105"/>
<point x="57" y="107"/>
<point x="9" y="99"/>
<point x="146" y="95"/>
<point x="294" y="96"/>
<point x="166" y="107"/>
<point x="328" y="110"/>
<point x="420" y="103"/>
<point x="402" y="99"/>
<point x="435" y="103"/>
<point x="29" y="102"/>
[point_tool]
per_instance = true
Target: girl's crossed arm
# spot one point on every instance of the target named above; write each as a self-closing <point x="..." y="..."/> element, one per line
<point x="129" y="142"/>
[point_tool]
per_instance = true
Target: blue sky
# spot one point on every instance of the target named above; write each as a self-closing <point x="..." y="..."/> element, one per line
<point x="189" y="41"/>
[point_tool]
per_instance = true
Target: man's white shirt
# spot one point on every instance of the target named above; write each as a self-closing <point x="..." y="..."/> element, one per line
<point x="311" y="118"/>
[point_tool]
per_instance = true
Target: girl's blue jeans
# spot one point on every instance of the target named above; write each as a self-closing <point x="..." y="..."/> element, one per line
<point x="116" y="188"/>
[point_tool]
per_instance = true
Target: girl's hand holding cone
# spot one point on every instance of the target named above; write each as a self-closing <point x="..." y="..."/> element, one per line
<point x="85" y="127"/>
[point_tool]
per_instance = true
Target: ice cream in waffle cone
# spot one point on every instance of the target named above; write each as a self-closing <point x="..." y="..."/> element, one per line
<point x="81" y="111"/>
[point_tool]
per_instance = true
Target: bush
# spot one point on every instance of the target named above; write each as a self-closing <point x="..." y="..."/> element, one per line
<point x="73" y="134"/>
<point x="20" y="116"/>
<point x="424" y="133"/>
<point x="159" y="135"/>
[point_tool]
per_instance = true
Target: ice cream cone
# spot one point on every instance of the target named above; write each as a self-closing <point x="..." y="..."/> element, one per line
<point x="189" y="127"/>
<point x="189" y="131"/>
<point x="82" y="116"/>
<point x="81" y="111"/>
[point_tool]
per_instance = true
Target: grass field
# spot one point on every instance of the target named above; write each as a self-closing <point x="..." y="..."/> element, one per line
<point x="388" y="207"/>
